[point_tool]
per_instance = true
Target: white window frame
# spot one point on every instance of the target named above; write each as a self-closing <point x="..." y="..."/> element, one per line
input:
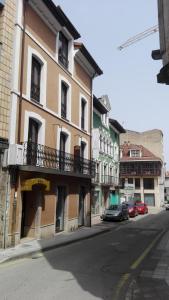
<point x="134" y="152"/>
<point x="86" y="152"/>
<point x="40" y="121"/>
<point x="86" y="124"/>
<point x="68" y="140"/>
<point x="43" y="80"/>
<point x="70" y="49"/>
<point x="69" y="93"/>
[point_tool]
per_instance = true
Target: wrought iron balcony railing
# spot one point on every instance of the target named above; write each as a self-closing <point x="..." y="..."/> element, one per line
<point x="42" y="156"/>
<point x="110" y="180"/>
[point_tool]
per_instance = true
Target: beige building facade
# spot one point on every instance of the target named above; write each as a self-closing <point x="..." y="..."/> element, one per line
<point x="145" y="170"/>
<point x="50" y="138"/>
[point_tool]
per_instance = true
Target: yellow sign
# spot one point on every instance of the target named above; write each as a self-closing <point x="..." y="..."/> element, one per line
<point x="29" y="183"/>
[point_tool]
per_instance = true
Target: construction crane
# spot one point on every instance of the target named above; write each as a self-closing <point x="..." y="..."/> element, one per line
<point x="139" y="37"/>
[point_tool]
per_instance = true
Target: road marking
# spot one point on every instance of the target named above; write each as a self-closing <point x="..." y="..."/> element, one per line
<point x="146" y="251"/>
<point x="120" y="285"/>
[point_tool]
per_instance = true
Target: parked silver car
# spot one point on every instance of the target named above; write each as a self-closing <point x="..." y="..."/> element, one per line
<point x="116" y="212"/>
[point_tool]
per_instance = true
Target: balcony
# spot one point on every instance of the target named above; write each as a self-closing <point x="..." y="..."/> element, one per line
<point x="37" y="157"/>
<point x="140" y="169"/>
<point x="110" y="180"/>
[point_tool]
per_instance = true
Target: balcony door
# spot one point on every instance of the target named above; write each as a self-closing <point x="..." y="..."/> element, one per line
<point x="32" y="142"/>
<point x="63" y="138"/>
<point x="82" y="155"/>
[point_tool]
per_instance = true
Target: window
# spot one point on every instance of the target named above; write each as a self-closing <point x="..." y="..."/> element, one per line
<point x="63" y="138"/>
<point x="130" y="180"/>
<point x="35" y="79"/>
<point x="148" y="183"/>
<point x="137" y="183"/>
<point x="83" y="110"/>
<point x="63" y="50"/>
<point x="149" y="199"/>
<point x="137" y="197"/>
<point x="64" y="91"/>
<point x="134" y="153"/>
<point x="32" y="145"/>
<point x="82" y="149"/>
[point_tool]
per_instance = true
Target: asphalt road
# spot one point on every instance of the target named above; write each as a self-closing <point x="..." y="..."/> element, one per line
<point x="124" y="263"/>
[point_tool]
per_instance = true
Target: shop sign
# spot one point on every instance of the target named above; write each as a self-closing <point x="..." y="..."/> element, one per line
<point x="29" y="183"/>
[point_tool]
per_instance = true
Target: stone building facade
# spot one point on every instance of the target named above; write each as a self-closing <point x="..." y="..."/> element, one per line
<point x="7" y="28"/>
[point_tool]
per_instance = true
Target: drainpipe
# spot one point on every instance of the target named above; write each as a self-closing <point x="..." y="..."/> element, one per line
<point x="91" y="127"/>
<point x="15" y="171"/>
<point x="22" y="69"/>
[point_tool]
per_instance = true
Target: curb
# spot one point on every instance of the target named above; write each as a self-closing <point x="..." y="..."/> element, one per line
<point x="50" y="247"/>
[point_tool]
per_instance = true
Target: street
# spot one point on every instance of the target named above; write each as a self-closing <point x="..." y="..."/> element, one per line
<point x="128" y="262"/>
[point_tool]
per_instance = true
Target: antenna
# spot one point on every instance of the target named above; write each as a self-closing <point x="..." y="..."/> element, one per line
<point x="136" y="38"/>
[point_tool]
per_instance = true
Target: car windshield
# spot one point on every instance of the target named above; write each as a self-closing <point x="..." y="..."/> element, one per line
<point x="140" y="204"/>
<point x="114" y="207"/>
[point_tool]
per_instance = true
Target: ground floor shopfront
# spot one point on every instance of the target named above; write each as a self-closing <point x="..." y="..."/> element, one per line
<point x="145" y="189"/>
<point x="45" y="204"/>
<point x="102" y="197"/>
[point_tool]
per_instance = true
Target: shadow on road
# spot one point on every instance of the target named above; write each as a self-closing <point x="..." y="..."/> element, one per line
<point x="97" y="264"/>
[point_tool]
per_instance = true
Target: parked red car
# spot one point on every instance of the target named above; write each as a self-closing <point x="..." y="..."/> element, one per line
<point x="142" y="208"/>
<point x="133" y="210"/>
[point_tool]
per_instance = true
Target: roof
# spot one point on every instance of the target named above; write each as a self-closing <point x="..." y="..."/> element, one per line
<point x="146" y="155"/>
<point x="87" y="55"/>
<point x="58" y="13"/>
<point x="117" y="125"/>
<point x="98" y="105"/>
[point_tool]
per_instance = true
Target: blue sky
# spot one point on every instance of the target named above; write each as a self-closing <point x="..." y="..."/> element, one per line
<point x="129" y="78"/>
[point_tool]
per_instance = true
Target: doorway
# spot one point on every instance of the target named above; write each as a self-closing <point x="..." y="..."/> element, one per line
<point x="60" y="209"/>
<point x="81" y="206"/>
<point x="32" y="142"/>
<point x="29" y="214"/>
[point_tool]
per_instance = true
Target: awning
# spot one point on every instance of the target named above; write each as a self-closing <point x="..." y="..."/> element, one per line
<point x="28" y="184"/>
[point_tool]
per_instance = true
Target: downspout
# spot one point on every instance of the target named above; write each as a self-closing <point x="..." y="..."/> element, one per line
<point x="91" y="127"/>
<point x="21" y="73"/>
<point x="15" y="171"/>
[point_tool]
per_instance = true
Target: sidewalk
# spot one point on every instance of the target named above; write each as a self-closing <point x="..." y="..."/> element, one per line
<point x="32" y="248"/>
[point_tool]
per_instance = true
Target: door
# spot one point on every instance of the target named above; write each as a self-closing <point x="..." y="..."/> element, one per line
<point x="60" y="208"/>
<point x="32" y="142"/>
<point x="114" y="198"/>
<point x="81" y="206"/>
<point x="30" y="205"/>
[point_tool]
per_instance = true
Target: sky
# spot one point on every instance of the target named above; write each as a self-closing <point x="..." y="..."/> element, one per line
<point x="138" y="102"/>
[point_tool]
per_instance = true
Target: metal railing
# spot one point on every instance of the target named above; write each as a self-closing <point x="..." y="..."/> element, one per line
<point x="110" y="180"/>
<point x="42" y="156"/>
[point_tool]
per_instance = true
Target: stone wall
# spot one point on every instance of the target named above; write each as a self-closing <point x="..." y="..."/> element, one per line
<point x="7" y="22"/>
